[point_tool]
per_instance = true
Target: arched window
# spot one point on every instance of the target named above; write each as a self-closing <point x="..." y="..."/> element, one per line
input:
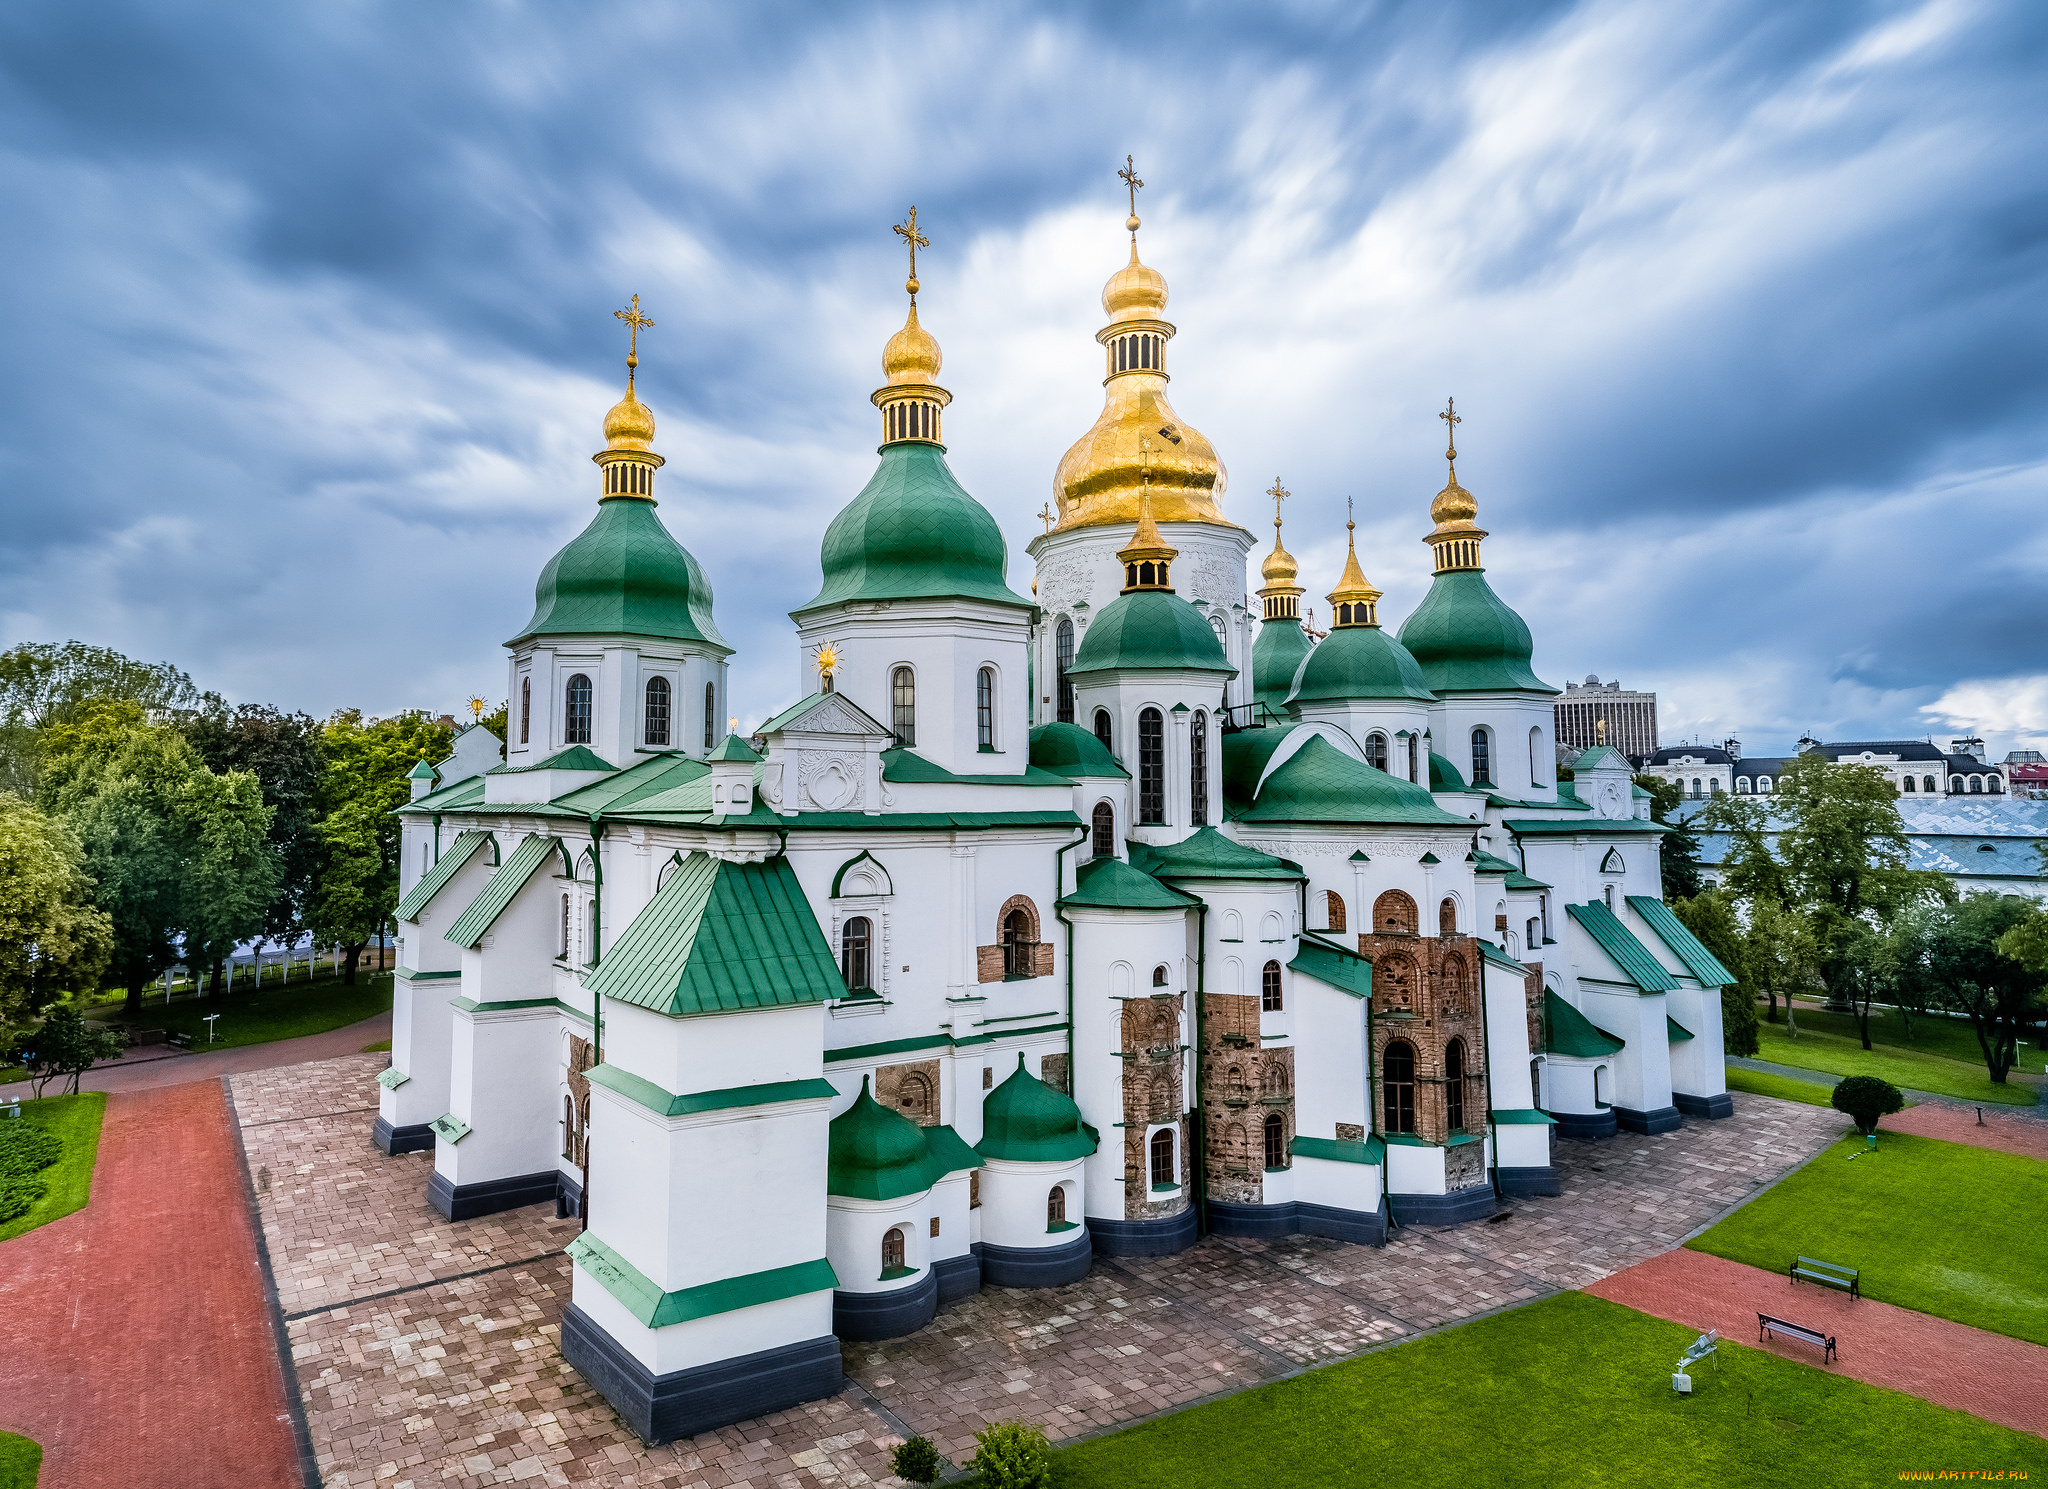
<point x="1763" y="785"/>
<point x="1533" y="933"/>
<point x="1163" y="1175"/>
<point x="1447" y="918"/>
<point x="1393" y="913"/>
<point x="903" y="705"/>
<point x="1276" y="1141"/>
<point x="1198" y="770"/>
<point x="1927" y="783"/>
<point x="1151" y="766"/>
<point x="985" y="708"/>
<point x="1333" y="910"/>
<point x="915" y="1094"/>
<point x="1159" y="975"/>
<point x="1103" y="821"/>
<point x="1056" y="1207"/>
<point x="1020" y="942"/>
<point x="1991" y="784"/>
<point x="1454" y="1085"/>
<point x="1397" y="1081"/>
<point x="1269" y="989"/>
<point x="1104" y="729"/>
<point x="1452" y="975"/>
<point x="1482" y="759"/>
<point x="1411" y="761"/>
<point x="1608" y="894"/>
<point x="1063" y="659"/>
<point x="1535" y="756"/>
<point x="576" y="716"/>
<point x="856" y="937"/>
<point x="1376" y="751"/>
<point x="565" y="928"/>
<point x="1742" y="785"/>
<point x="525" y="710"/>
<point x="892" y="1251"/>
<point x="1977" y="784"/>
<point x="657" y="711"/>
<point x="710" y="715"/>
<point x="1698" y="789"/>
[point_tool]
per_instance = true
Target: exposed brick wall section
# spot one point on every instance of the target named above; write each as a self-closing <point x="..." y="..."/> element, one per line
<point x="911" y="1088"/>
<point x="988" y="963"/>
<point x="1532" y="996"/>
<point x="1153" y="1031"/>
<point x="1052" y="1069"/>
<point x="1426" y="991"/>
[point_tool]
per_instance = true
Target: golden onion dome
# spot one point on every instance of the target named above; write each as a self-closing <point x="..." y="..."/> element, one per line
<point x="912" y="355"/>
<point x="630" y="424"/>
<point x="1279" y="567"/>
<point x="1135" y="292"/>
<point x="1454" y="508"/>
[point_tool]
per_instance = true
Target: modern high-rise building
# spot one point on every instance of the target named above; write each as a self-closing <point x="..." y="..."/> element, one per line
<point x="1600" y="713"/>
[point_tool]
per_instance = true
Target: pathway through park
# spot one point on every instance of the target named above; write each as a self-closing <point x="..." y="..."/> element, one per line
<point x="152" y="1071"/>
<point x="136" y="1335"/>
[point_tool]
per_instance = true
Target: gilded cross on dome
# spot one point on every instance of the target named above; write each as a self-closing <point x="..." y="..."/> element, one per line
<point x="1045" y="516"/>
<point x="632" y="317"/>
<point x="913" y="240"/>
<point x="1451" y="423"/>
<point x="1129" y="176"/>
<point x="1279" y="494"/>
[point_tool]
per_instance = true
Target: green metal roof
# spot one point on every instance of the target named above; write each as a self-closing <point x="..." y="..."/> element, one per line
<point x="1026" y="1121"/>
<point x="458" y="853"/>
<point x="1486" y="863"/>
<point x="1358" y="662"/>
<point x="1372" y="1150"/>
<point x="914" y="533"/>
<point x="1467" y="640"/>
<point x="1069" y="750"/>
<point x="490" y="903"/>
<point x="1277" y="654"/>
<point x="1599" y="757"/>
<point x="1112" y="884"/>
<point x="1444" y="776"/>
<point x="875" y="1153"/>
<point x="1523" y="1116"/>
<point x="722" y="937"/>
<point x="1566" y="1031"/>
<point x="1547" y="827"/>
<point x="1566" y="802"/>
<point x="1208" y="854"/>
<point x="423" y="772"/>
<point x="1345" y="972"/>
<point x="1620" y="944"/>
<point x="735" y="750"/>
<point x="451" y="797"/>
<point x="905" y="767"/>
<point x="1501" y="959"/>
<point x="1675" y="1030"/>
<point x="1688" y="948"/>
<point x="1320" y="783"/>
<point x="623" y="575"/>
<point x="575" y="757"/>
<point x="1151" y="630"/>
<point x="638" y="782"/>
<point x="1245" y="753"/>
<point x="1520" y="880"/>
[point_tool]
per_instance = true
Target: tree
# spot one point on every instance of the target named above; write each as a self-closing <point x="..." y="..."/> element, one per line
<point x="366" y="780"/>
<point x="66" y="1045"/>
<point x="282" y="750"/>
<point x="1013" y="1455"/>
<point x="1679" y="853"/>
<point x="1900" y="961"/>
<point x="917" y="1461"/>
<point x="230" y="877"/>
<point x="1974" y="974"/>
<point x="42" y="684"/>
<point x="1781" y="953"/>
<point x="52" y="939"/>
<point x="1711" y="917"/>
<point x="1866" y="1098"/>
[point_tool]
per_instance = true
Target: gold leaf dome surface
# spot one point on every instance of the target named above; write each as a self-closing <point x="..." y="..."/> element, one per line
<point x="1454" y="508"/>
<point x="630" y="424"/>
<point x="912" y="355"/>
<point x="1136" y="291"/>
<point x="1279" y="567"/>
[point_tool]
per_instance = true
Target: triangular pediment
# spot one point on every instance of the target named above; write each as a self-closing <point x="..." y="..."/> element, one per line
<point x="826" y="713"/>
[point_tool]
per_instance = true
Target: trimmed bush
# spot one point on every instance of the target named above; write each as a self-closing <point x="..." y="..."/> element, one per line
<point x="1013" y="1455"/>
<point x="25" y="1151"/>
<point x="1866" y="1098"/>
<point x="917" y="1460"/>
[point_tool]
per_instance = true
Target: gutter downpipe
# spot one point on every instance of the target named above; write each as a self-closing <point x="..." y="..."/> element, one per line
<point x="596" y="1002"/>
<point x="437" y="837"/>
<point x="1059" y="884"/>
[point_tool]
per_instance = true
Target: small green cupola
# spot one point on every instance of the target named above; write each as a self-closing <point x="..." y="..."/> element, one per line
<point x="874" y="1153"/>
<point x="1357" y="661"/>
<point x="1148" y="627"/>
<point x="1026" y="1121"/>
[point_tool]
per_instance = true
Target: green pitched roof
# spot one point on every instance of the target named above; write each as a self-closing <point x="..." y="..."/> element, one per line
<point x="1467" y="640"/>
<point x="423" y="772"/>
<point x="491" y="900"/>
<point x="646" y="778"/>
<point x="1277" y="654"/>
<point x="1334" y="1150"/>
<point x="1566" y="1031"/>
<point x="1444" y="776"/>
<point x="733" y="748"/>
<point x="575" y="757"/>
<point x="722" y="937"/>
<point x="1150" y="630"/>
<point x="1492" y="953"/>
<point x="623" y="575"/>
<point x="1705" y="967"/>
<point x="906" y="767"/>
<point x="1620" y="944"/>
<point x="458" y="853"/>
<point x="1071" y="751"/>
<point x="1024" y="1120"/>
<point x="1674" y="1030"/>
<point x="874" y="1153"/>
<point x="1208" y="854"/>
<point x="1245" y="753"/>
<point x="1486" y="863"/>
<point x="464" y="793"/>
<point x="1320" y="783"/>
<point x="1112" y="884"/>
<point x="1568" y="826"/>
<point x="1358" y="662"/>
<point x="914" y="533"/>
<point x="1598" y="757"/>
<point x="1520" y="880"/>
<point x="1338" y="969"/>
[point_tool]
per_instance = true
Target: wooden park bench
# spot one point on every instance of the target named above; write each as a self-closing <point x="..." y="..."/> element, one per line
<point x="1765" y="1324"/>
<point x="1847" y="1279"/>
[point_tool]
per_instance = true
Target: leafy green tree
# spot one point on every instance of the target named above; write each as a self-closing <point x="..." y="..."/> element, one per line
<point x="282" y="750"/>
<point x="1781" y="954"/>
<point x="42" y="683"/>
<point x="916" y="1460"/>
<point x="1866" y="1098"/>
<point x="1901" y="965"/>
<point x="1012" y="1455"/>
<point x="52" y="939"/>
<point x="67" y="1046"/>
<point x="366" y="780"/>
<point x="1711" y="917"/>
<point x="1679" y="853"/>
<point x="231" y="873"/>
<point x="1975" y="975"/>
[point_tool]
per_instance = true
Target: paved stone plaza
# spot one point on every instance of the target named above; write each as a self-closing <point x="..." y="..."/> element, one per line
<point x="426" y="1351"/>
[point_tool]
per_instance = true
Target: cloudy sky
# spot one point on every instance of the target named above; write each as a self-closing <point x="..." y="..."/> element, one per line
<point x="307" y="328"/>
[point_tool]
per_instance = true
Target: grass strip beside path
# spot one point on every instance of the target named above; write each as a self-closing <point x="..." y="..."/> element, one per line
<point x="287" y="1012"/>
<point x="1784" y="1087"/>
<point x="75" y="1122"/>
<point x="1843" y="1054"/>
<point x="1572" y="1390"/>
<point x="1941" y="1228"/>
<point x="20" y="1461"/>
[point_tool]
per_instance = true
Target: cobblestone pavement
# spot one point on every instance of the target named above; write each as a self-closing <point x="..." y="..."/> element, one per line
<point x="426" y="1351"/>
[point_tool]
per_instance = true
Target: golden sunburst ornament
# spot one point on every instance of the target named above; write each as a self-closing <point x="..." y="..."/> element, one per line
<point x="476" y="709"/>
<point x="826" y="660"/>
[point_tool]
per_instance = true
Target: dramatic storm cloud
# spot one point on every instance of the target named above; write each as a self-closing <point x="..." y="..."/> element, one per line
<point x="308" y="327"/>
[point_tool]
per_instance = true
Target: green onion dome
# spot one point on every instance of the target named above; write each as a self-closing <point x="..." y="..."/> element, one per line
<point x="623" y="575"/>
<point x="1467" y="640"/>
<point x="1359" y="662"/>
<point x="1282" y="646"/>
<point x="874" y="1153"/>
<point x="912" y="534"/>
<point x="1150" y="630"/>
<point x="1026" y="1120"/>
<point x="1071" y="751"/>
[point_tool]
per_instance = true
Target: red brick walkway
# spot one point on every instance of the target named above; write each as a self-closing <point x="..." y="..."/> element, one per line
<point x="135" y="1336"/>
<point x="1951" y="1364"/>
<point x="2026" y="1136"/>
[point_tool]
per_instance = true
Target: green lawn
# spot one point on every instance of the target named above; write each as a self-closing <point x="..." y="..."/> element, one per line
<point x="1570" y="1391"/>
<point x="1951" y="1037"/>
<point x="275" y="1012"/>
<point x="20" y="1462"/>
<point x="1843" y="1054"/>
<point x="1784" y="1087"/>
<point x="76" y="1121"/>
<point x="1938" y="1227"/>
